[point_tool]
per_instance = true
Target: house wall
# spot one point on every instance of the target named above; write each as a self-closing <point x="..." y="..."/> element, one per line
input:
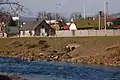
<point x="68" y="33"/>
<point x="27" y="33"/>
<point x="33" y="33"/>
<point x="5" y="35"/>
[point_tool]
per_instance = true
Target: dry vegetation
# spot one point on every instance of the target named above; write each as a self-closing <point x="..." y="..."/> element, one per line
<point x="92" y="50"/>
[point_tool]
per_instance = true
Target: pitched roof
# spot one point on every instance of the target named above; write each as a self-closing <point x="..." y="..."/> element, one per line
<point x="88" y="23"/>
<point x="111" y="19"/>
<point x="30" y="25"/>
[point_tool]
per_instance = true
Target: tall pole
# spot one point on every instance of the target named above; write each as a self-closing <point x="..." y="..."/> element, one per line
<point x="99" y="21"/>
<point x="105" y="17"/>
<point x="84" y="11"/>
<point x="18" y="23"/>
<point x="107" y="9"/>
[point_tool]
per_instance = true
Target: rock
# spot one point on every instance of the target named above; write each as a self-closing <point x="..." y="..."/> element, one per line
<point x="54" y="51"/>
<point x="56" y="57"/>
<point x="41" y="53"/>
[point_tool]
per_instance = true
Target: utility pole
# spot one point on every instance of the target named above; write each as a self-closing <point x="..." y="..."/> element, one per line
<point x="99" y="21"/>
<point x="55" y="16"/>
<point x="105" y="16"/>
<point x="84" y="11"/>
<point x="107" y="9"/>
<point x="18" y="24"/>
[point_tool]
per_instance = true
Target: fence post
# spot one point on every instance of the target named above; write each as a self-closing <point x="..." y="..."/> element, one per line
<point x="113" y="32"/>
<point x="73" y="32"/>
<point x="88" y="32"/>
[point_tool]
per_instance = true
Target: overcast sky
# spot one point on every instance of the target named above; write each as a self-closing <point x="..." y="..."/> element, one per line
<point x="68" y="6"/>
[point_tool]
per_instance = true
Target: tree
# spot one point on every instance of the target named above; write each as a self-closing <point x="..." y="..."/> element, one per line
<point x="116" y="22"/>
<point x="12" y="7"/>
<point x="4" y="17"/>
<point x="8" y="8"/>
<point x="49" y="16"/>
<point x="12" y="22"/>
<point x="76" y="15"/>
<point x="43" y="15"/>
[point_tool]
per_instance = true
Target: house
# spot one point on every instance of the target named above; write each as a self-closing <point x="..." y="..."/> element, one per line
<point x="94" y="24"/>
<point x="72" y="27"/>
<point x="88" y="24"/>
<point x="36" y="28"/>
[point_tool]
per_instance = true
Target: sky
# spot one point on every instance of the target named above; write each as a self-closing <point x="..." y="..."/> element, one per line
<point x="69" y="6"/>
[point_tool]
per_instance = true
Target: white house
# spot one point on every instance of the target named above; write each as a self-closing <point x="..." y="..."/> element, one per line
<point x="72" y="27"/>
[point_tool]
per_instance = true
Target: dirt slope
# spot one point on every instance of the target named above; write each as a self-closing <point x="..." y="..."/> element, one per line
<point x="92" y="50"/>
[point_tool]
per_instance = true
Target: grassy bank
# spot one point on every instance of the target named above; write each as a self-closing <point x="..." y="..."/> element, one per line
<point x="59" y="43"/>
<point x="92" y="50"/>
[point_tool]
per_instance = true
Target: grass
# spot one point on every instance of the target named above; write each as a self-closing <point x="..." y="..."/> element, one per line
<point x="59" y="43"/>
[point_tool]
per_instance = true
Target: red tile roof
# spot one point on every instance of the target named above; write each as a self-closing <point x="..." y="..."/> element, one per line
<point x="111" y="19"/>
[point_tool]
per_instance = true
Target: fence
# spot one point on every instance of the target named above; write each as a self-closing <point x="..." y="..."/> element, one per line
<point x="68" y="33"/>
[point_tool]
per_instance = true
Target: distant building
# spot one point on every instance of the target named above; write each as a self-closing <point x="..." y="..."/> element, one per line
<point x="88" y="24"/>
<point x="72" y="26"/>
<point x="36" y="28"/>
<point x="54" y="24"/>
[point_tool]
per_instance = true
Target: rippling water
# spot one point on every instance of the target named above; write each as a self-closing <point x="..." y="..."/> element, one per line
<point x="57" y="71"/>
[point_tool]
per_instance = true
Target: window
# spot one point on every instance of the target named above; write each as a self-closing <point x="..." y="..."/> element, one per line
<point x="42" y="26"/>
<point x="30" y="32"/>
<point x="23" y="32"/>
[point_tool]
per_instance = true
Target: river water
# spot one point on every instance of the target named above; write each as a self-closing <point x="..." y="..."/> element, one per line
<point x="57" y="71"/>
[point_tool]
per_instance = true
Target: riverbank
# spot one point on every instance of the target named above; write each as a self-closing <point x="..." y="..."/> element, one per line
<point x="91" y="50"/>
<point x="10" y="77"/>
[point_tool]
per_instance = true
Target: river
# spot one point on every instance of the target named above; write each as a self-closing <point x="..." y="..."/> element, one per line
<point x="38" y="70"/>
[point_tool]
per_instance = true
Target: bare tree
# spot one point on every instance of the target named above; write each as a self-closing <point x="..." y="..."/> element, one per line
<point x="76" y="15"/>
<point x="49" y="16"/>
<point x="8" y="8"/>
<point x="101" y="13"/>
<point x="12" y="7"/>
<point x="43" y="15"/>
<point x="4" y="17"/>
